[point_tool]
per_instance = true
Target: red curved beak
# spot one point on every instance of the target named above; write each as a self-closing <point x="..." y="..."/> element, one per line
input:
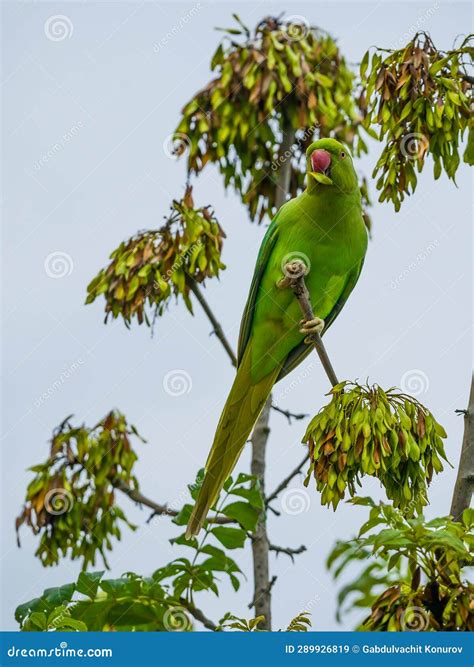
<point x="320" y="160"/>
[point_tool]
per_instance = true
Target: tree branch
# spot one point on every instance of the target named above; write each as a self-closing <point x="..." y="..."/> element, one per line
<point x="193" y="286"/>
<point x="198" y="615"/>
<point x="286" y="481"/>
<point x="288" y="551"/>
<point x="464" y="485"/>
<point x="158" y="509"/>
<point x="289" y="415"/>
<point x="265" y="591"/>
<point x="294" y="279"/>
<point x="260" y="543"/>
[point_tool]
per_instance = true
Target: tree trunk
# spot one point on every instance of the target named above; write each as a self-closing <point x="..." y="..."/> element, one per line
<point x="465" y="480"/>
<point x="260" y="544"/>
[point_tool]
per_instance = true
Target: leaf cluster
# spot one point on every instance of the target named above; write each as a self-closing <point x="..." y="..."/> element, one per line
<point x="420" y="565"/>
<point x="164" y="601"/>
<point x="300" y="623"/>
<point x="70" y="502"/>
<point x="419" y="98"/>
<point x="151" y="267"/>
<point x="367" y="431"/>
<point x="286" y="74"/>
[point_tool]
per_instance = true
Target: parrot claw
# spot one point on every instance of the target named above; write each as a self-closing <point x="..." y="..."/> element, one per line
<point x="311" y="327"/>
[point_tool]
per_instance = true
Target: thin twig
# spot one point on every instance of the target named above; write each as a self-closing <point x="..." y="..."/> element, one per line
<point x="286" y="481"/>
<point x="288" y="551"/>
<point x="289" y="415"/>
<point x="198" y="615"/>
<point x="294" y="279"/>
<point x="218" y="330"/>
<point x="158" y="509"/>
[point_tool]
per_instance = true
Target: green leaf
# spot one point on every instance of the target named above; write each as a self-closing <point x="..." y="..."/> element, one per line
<point x="364" y="64"/>
<point x="37" y="620"/>
<point x="88" y="583"/>
<point x="73" y="623"/>
<point x="183" y="517"/>
<point x="55" y="596"/>
<point x="252" y="494"/>
<point x="244" y="513"/>
<point x="231" y="538"/>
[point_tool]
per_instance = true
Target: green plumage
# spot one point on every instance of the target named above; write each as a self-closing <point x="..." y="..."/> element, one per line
<point x="323" y="226"/>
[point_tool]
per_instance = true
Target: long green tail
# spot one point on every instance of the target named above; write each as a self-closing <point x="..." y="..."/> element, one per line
<point x="241" y="411"/>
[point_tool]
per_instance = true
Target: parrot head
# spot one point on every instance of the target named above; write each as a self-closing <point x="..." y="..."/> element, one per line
<point x="328" y="163"/>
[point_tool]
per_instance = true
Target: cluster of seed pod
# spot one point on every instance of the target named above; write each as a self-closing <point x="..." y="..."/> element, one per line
<point x="367" y="431"/>
<point x="284" y="73"/>
<point x="148" y="269"/>
<point x="420" y="101"/>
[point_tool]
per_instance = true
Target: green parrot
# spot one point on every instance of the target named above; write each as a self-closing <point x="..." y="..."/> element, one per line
<point x="324" y="228"/>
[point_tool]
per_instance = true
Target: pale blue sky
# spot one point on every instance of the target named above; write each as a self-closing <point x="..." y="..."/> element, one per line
<point x="84" y="122"/>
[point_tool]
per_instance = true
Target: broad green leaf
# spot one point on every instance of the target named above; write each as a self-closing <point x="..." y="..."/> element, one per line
<point x="244" y="513"/>
<point x="231" y="538"/>
<point x="88" y="583"/>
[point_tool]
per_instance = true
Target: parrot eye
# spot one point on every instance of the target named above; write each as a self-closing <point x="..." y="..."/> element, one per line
<point x="342" y="155"/>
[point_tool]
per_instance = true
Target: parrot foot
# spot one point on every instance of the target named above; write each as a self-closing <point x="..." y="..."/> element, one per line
<point x="311" y="327"/>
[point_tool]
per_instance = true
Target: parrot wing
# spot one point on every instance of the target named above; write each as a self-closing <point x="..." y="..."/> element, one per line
<point x="266" y="248"/>
<point x="301" y="351"/>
